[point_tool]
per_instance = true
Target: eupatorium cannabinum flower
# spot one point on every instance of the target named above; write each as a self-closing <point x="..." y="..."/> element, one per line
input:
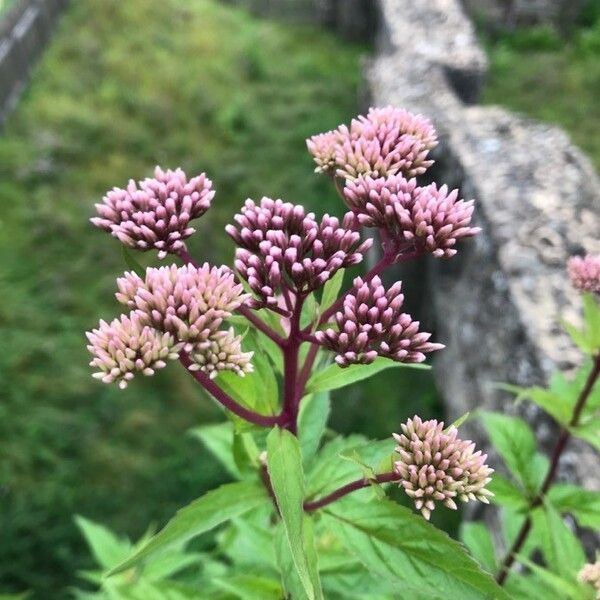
<point x="584" y="273"/>
<point x="428" y="218"/>
<point x="188" y="302"/>
<point x="590" y="573"/>
<point x="156" y="212"/>
<point x="384" y="142"/>
<point x="221" y="352"/>
<point x="371" y="323"/>
<point x="279" y="244"/>
<point x="434" y="465"/>
<point x="126" y="346"/>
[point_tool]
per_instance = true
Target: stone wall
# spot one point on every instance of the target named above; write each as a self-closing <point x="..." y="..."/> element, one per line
<point x="498" y="304"/>
<point x="25" y="28"/>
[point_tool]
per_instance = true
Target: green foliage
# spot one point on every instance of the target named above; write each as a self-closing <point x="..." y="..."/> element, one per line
<point x="478" y="539"/>
<point x="202" y="515"/>
<point x="588" y="337"/>
<point x="394" y="543"/>
<point x="515" y="442"/>
<point x="284" y="461"/>
<point x="333" y="378"/>
<point x="537" y="72"/>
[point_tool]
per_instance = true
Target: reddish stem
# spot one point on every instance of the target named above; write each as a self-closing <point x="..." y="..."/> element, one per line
<point x="227" y="401"/>
<point x="291" y="348"/>
<point x="349" y="488"/>
<point x="561" y="443"/>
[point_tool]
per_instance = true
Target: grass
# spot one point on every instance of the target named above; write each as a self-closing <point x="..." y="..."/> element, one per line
<point x="554" y="79"/>
<point x="124" y="86"/>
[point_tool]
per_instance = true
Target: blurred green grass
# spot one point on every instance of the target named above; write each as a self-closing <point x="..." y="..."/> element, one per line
<point x="551" y="76"/>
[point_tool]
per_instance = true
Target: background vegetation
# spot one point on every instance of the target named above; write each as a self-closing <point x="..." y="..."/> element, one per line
<point x="124" y="86"/>
<point x="552" y="76"/>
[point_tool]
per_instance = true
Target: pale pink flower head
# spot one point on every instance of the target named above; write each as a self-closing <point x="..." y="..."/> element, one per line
<point x="155" y="213"/>
<point x="323" y="148"/>
<point x="384" y="142"/>
<point x="371" y="324"/>
<point x="434" y="465"/>
<point x="281" y="245"/>
<point x="584" y="273"/>
<point x="221" y="352"/>
<point x="189" y="302"/>
<point x="590" y="573"/>
<point x="126" y="346"/>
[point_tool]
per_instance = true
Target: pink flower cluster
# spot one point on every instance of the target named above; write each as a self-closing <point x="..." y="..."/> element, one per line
<point x="434" y="465"/>
<point x="584" y="273"/>
<point x="371" y="324"/>
<point x="155" y="213"/>
<point x="384" y="142"/>
<point x="126" y="346"/>
<point x="174" y="308"/>
<point x="427" y="219"/>
<point x="280" y="245"/>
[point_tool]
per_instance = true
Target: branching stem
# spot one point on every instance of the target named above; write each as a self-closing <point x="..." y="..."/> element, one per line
<point x="349" y="488"/>
<point x="227" y="401"/>
<point x="561" y="443"/>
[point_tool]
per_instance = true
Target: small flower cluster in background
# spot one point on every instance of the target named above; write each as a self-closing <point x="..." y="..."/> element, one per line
<point x="434" y="465"/>
<point x="591" y="574"/>
<point x="584" y="273"/>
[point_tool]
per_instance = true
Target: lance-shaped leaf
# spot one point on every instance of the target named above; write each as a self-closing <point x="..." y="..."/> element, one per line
<point x="394" y="543"/>
<point x="334" y="377"/>
<point x="205" y="513"/>
<point x="284" y="462"/>
<point x="312" y="421"/>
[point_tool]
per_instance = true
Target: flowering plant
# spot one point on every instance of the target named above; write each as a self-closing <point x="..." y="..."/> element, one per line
<point x="269" y="339"/>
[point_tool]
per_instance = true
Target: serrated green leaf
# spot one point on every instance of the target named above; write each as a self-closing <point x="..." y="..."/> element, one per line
<point x="478" y="539"/>
<point x="588" y="337"/>
<point x="284" y="461"/>
<point x="515" y="442"/>
<point x="312" y="422"/>
<point x="583" y="504"/>
<point x="562" y="551"/>
<point x="331" y="290"/>
<point x="334" y="377"/>
<point x="566" y="587"/>
<point x="218" y="438"/>
<point x="329" y="472"/>
<point x="107" y="548"/>
<point x="205" y="513"/>
<point x="394" y="543"/>
<point x="246" y="543"/>
<point x="258" y="390"/>
<point x="588" y="431"/>
<point x="506" y="493"/>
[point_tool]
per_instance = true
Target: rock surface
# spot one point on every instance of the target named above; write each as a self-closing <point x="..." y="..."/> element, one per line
<point x="498" y="304"/>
